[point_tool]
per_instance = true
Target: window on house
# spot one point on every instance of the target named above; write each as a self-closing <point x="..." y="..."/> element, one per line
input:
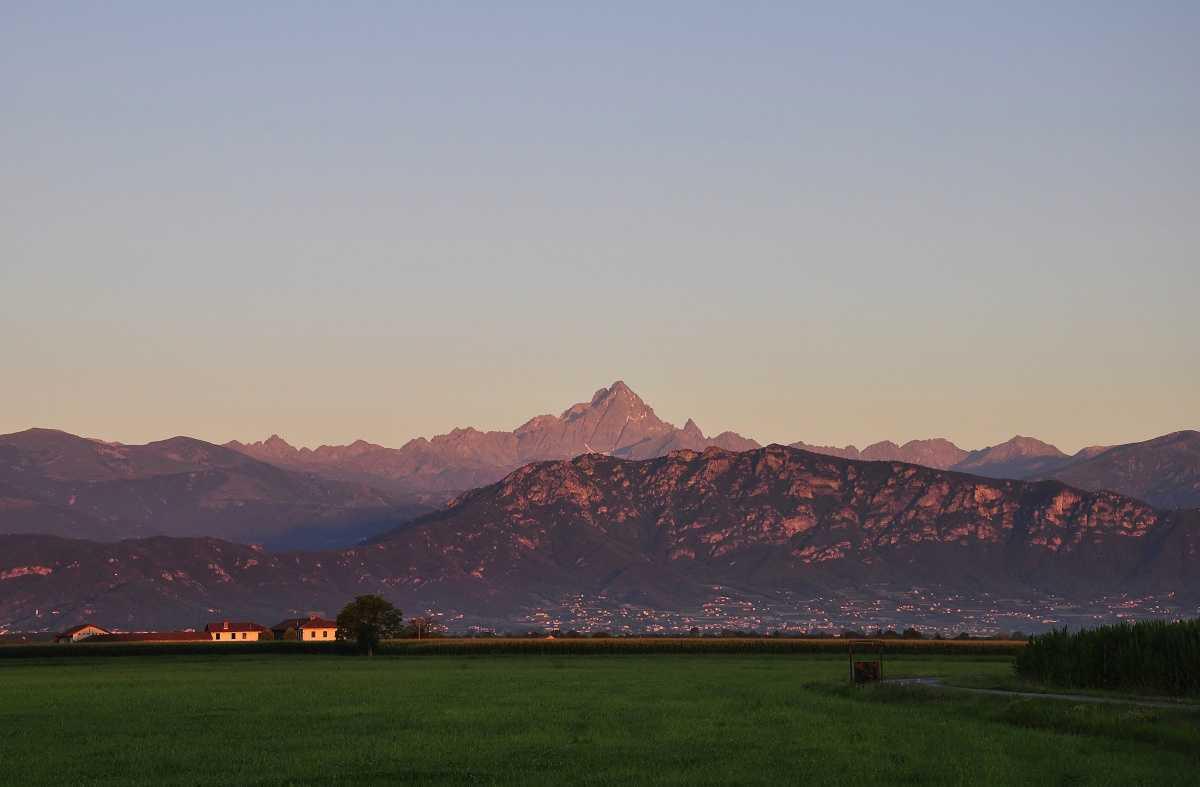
<point x="325" y="633"/>
<point x="218" y="636"/>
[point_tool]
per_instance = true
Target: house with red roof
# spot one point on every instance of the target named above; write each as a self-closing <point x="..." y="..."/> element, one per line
<point x="227" y="631"/>
<point x="314" y="628"/>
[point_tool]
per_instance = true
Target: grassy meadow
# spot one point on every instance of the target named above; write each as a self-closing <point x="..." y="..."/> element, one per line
<point x="696" y="718"/>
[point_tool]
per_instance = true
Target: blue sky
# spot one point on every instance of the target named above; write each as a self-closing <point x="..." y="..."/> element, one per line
<point x="834" y="223"/>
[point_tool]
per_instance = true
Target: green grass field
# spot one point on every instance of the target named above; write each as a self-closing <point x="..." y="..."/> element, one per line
<point x="708" y="719"/>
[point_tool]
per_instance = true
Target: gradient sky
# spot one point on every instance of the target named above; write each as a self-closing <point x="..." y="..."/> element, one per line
<point x="836" y="223"/>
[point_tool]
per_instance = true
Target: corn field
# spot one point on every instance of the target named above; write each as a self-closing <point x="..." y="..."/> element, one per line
<point x="1152" y="656"/>
<point x="482" y="646"/>
<point x="708" y="645"/>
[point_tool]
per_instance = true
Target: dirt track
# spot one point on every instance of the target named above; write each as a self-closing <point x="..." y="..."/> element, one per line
<point x="936" y="683"/>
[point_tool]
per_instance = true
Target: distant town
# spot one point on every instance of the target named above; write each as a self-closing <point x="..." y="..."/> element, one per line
<point x="868" y="609"/>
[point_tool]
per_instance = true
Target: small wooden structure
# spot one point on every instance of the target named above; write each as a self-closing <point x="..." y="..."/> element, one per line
<point x="866" y="661"/>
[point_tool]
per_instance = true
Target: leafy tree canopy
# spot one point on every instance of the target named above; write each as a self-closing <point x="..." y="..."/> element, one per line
<point x="368" y="619"/>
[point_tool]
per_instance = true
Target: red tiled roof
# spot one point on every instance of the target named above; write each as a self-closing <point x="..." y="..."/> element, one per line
<point x="153" y="636"/>
<point x="305" y="623"/>
<point x="227" y="625"/>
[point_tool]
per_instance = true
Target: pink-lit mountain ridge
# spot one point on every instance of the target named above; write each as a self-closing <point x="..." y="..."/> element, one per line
<point x="1164" y="471"/>
<point x="606" y="499"/>
<point x="615" y="421"/>
<point x="658" y="533"/>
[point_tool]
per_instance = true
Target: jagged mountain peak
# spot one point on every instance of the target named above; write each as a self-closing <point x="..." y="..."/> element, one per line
<point x="273" y="449"/>
<point x="277" y="445"/>
<point x="614" y="421"/>
<point x="618" y="388"/>
<point x="617" y="395"/>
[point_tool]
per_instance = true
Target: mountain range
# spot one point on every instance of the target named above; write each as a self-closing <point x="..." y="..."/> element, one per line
<point x="1164" y="471"/>
<point x="56" y="483"/>
<point x="615" y="421"/>
<point x="272" y="493"/>
<point x="1019" y="457"/>
<point x="659" y="533"/>
<point x="604" y="500"/>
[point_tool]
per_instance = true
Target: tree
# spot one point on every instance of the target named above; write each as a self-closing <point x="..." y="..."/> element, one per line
<point x="368" y="619"/>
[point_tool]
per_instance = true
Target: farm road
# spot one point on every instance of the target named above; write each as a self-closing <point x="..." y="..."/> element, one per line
<point x="936" y="683"/>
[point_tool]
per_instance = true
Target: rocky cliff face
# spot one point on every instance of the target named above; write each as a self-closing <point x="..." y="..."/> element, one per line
<point x="614" y="421"/>
<point x="661" y="532"/>
<point x="779" y="515"/>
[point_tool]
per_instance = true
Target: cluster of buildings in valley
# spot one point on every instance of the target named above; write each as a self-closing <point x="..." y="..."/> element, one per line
<point x="931" y="611"/>
<point x="313" y="628"/>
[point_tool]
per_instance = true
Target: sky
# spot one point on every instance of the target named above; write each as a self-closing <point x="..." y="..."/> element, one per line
<point x="836" y="223"/>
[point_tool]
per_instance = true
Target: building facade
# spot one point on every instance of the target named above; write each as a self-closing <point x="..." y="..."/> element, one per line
<point x="227" y="631"/>
<point x="82" y="631"/>
<point x="314" y="628"/>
